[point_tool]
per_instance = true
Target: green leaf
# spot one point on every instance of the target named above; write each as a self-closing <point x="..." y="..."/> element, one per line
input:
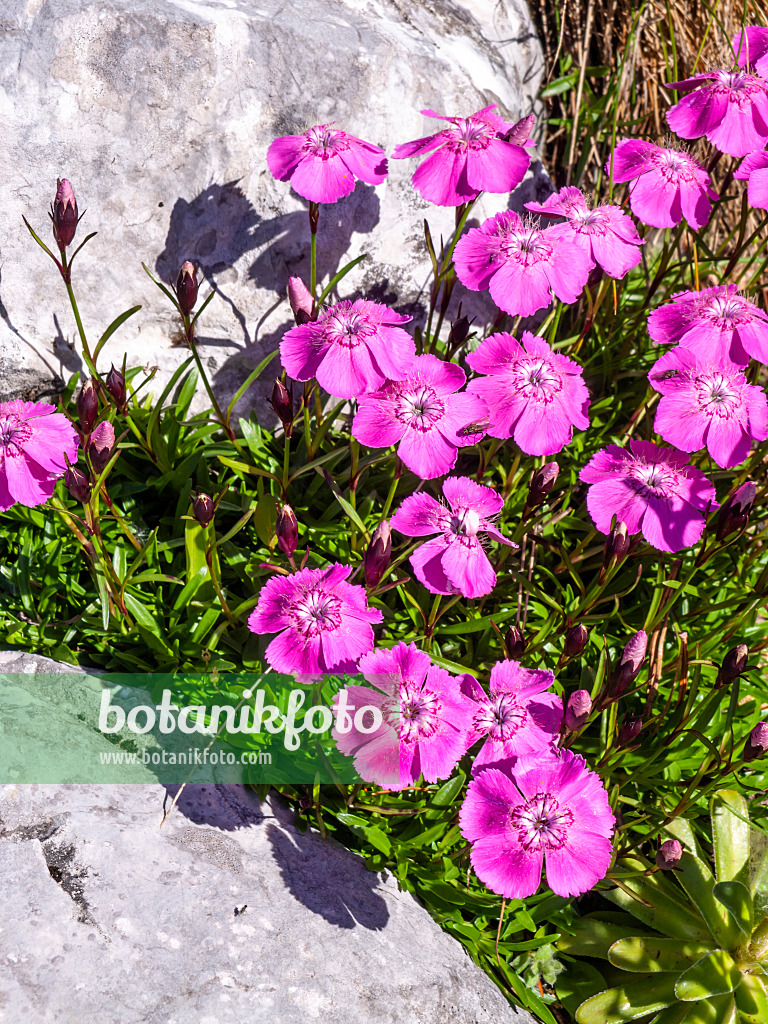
<point x="141" y="614"/>
<point x="341" y="274"/>
<point x="659" y="904"/>
<point x="448" y="792"/>
<point x="117" y="322"/>
<point x="265" y="520"/>
<point x="752" y="999"/>
<point x="594" y="938"/>
<point x="730" y="834"/>
<point x="736" y="899"/>
<point x="649" y="955"/>
<point x="714" y="975"/>
<point x="675" y="1014"/>
<point x="254" y="375"/>
<point x="628" y="1002"/>
<point x="696" y="878"/>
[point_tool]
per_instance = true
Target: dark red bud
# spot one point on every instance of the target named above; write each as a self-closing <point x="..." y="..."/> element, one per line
<point x="101" y="445"/>
<point x="77" y="483"/>
<point x="519" y="133"/>
<point x="575" y="640"/>
<point x="115" y="384"/>
<point x="577" y="710"/>
<point x="734" y="665"/>
<point x="64" y="214"/>
<point x="632" y="658"/>
<point x="734" y="515"/>
<point x="630" y="730"/>
<point x="186" y="287"/>
<point x="514" y="644"/>
<point x="542" y="482"/>
<point x="459" y="332"/>
<point x="88" y="405"/>
<point x="282" y="403"/>
<point x="757" y="742"/>
<point x="287" y="530"/>
<point x="202" y="509"/>
<point x="668" y="855"/>
<point x="616" y="546"/>
<point x="377" y="555"/>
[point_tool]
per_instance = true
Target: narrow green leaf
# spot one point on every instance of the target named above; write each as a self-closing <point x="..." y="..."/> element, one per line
<point x="649" y="955"/>
<point x="40" y="242"/>
<point x="190" y="588"/>
<point x="265" y="520"/>
<point x="162" y="287"/>
<point x="197" y="314"/>
<point x="254" y="375"/>
<point x="736" y="899"/>
<point x="664" y="907"/>
<point x="341" y="274"/>
<point x="448" y="792"/>
<point x="675" y="1014"/>
<point x="117" y="322"/>
<point x="628" y="1002"/>
<point x="714" y="975"/>
<point x="730" y="833"/>
<point x="141" y="613"/>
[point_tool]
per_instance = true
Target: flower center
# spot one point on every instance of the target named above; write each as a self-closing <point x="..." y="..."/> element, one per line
<point x="348" y="328"/>
<point x="419" y="407"/>
<point x="589" y="222"/>
<point x="736" y="82"/>
<point x="527" y="246"/>
<point x="415" y="716"/>
<point x="316" y="613"/>
<point x="728" y="311"/>
<point x="324" y="142"/>
<point x="674" y="166"/>
<point x="653" y="478"/>
<point x="501" y="717"/>
<point x="541" y="823"/>
<point x="468" y="133"/>
<point x="536" y="379"/>
<point x="717" y="395"/>
<point x="465" y="524"/>
<point x="13" y="433"/>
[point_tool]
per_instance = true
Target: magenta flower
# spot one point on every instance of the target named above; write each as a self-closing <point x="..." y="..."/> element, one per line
<point x="532" y="393"/>
<point x="35" y="442"/>
<point x="352" y="348"/>
<point x="651" y="489"/>
<point x="516" y="716"/>
<point x="424" y="414"/>
<point x="729" y="108"/>
<point x="606" y="235"/>
<point x="474" y="155"/>
<point x="323" y="623"/>
<point x="668" y="184"/>
<point x="520" y="264"/>
<point x="545" y="811"/>
<point x="708" y="403"/>
<point x="323" y="163"/>
<point x="715" y="322"/>
<point x="754" y="170"/>
<point x="751" y="48"/>
<point x="455" y="562"/>
<point x="424" y="719"/>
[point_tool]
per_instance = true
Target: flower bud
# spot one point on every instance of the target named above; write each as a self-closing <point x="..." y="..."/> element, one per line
<point x="377" y="554"/>
<point x="301" y="301"/>
<point x="668" y="855"/>
<point x="757" y="742"/>
<point x="115" y="384"/>
<point x="459" y="332"/>
<point x="87" y="405"/>
<point x="287" y="530"/>
<point x="632" y="658"/>
<point x="64" y="214"/>
<point x="577" y="709"/>
<point x="734" y="664"/>
<point x="542" y="482"/>
<point x="186" y="287"/>
<point x="202" y="509"/>
<point x="101" y="445"/>
<point x="514" y="644"/>
<point x="282" y="403"/>
<point x="519" y="133"/>
<point x="630" y="730"/>
<point x="77" y="483"/>
<point x="616" y="546"/>
<point x="734" y="515"/>
<point x="575" y="640"/>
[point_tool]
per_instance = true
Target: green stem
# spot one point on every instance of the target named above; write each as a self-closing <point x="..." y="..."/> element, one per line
<point x="80" y="329"/>
<point x="314" y="216"/>
<point x="189" y="332"/>
<point x="391" y="495"/>
<point x="286" y="463"/>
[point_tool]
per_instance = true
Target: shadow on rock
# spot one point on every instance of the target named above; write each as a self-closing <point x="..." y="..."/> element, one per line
<point x="226" y="807"/>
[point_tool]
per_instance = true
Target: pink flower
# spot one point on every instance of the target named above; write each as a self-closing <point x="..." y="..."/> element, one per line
<point x="424" y="414"/>
<point x="515" y="717"/>
<point x="668" y="184"/>
<point x="424" y="719"/>
<point x="606" y="235"/>
<point x="710" y="403"/>
<point x="751" y="48"/>
<point x="729" y="108"/>
<point x="352" y="348"/>
<point x="648" y="488"/>
<point x="714" y="322"/>
<point x="35" y="442"/>
<point x="520" y="264"/>
<point x="474" y="155"/>
<point x="547" y="810"/>
<point x="532" y="393"/>
<point x="454" y="562"/>
<point x="754" y="170"/>
<point x="323" y="623"/>
<point x="323" y="163"/>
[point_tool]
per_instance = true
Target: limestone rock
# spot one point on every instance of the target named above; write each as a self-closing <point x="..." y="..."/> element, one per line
<point x="161" y="115"/>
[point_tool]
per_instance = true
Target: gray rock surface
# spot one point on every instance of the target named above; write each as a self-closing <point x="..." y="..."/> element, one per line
<point x="107" y="917"/>
<point x="161" y="111"/>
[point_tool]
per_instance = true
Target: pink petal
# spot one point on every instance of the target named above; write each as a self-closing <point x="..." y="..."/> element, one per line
<point x="283" y="155"/>
<point x="520" y="290"/>
<point x="498" y="168"/>
<point x="697" y="113"/>
<point x="728" y="442"/>
<point x="467" y="567"/>
<point x="442" y="179"/>
<point x="420" y="515"/>
<point x="366" y="162"/>
<point x="505" y="867"/>
<point x="495" y="353"/>
<point x="427" y="564"/>
<point x="580" y="864"/>
<point x="476" y="259"/>
<point x="27" y="482"/>
<point x="394" y="352"/>
<point x="301" y="351"/>
<point x="631" y="157"/>
<point x="462" y="492"/>
<point x="679" y="421"/>
<point x="417" y="146"/>
<point x="375" y="423"/>
<point x="569" y="268"/>
<point x="427" y="454"/>
<point x="656" y="201"/>
<point x="322" y="180"/>
<point x="487" y="805"/>
<point x="757" y="190"/>
<point x="671" y="525"/>
<point x="348" y="372"/>
<point x="615" y="497"/>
